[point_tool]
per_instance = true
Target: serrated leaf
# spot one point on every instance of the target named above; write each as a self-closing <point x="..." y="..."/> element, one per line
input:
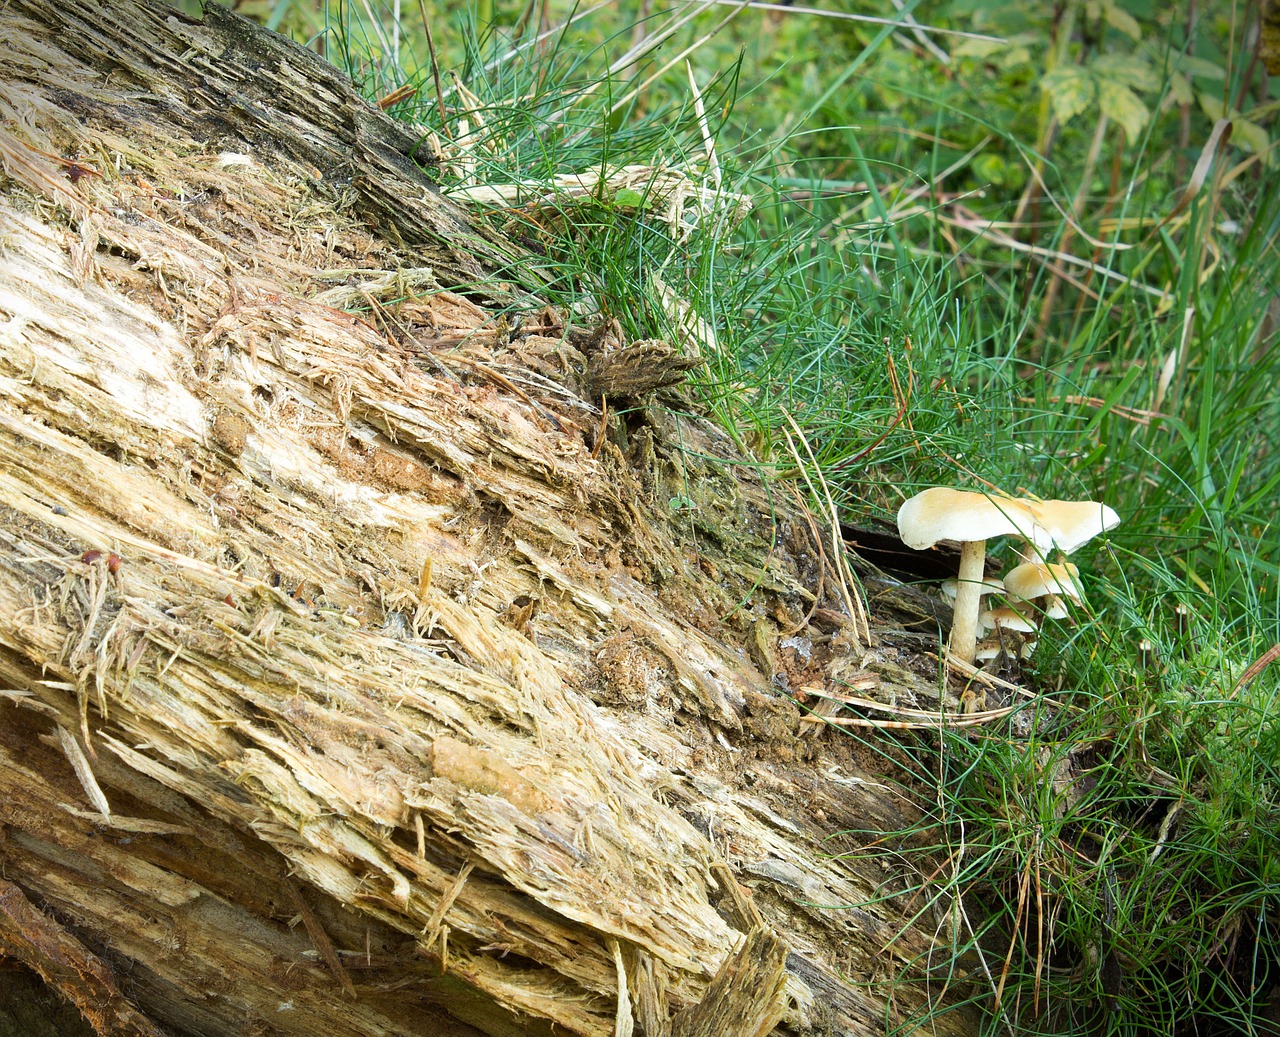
<point x="1126" y="70"/>
<point x="1070" y="89"/>
<point x="1120" y="104"/>
<point x="1121" y="20"/>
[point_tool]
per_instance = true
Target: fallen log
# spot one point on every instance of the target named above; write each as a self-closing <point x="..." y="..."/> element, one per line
<point x="358" y="674"/>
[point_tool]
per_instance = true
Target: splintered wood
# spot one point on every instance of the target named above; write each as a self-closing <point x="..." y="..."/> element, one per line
<point x="343" y="639"/>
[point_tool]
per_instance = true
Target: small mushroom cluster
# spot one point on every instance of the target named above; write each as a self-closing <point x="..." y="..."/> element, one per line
<point x="974" y="518"/>
<point x="1032" y="590"/>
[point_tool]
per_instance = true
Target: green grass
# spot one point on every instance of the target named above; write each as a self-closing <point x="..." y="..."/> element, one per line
<point x="926" y="312"/>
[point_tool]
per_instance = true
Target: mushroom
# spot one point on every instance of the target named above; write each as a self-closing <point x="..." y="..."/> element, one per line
<point x="990" y="585"/>
<point x="973" y="518"/>
<point x="997" y="648"/>
<point x="987" y="650"/>
<point x="1033" y="580"/>
<point x="1006" y="618"/>
<point x="1066" y="525"/>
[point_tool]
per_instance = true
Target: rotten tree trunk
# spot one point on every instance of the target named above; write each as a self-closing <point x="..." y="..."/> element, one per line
<point x="351" y="684"/>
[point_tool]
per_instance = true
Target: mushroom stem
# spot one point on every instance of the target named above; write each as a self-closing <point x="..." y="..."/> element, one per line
<point x="964" y="625"/>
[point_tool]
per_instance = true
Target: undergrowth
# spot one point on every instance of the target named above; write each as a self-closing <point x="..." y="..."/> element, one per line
<point x="1023" y="254"/>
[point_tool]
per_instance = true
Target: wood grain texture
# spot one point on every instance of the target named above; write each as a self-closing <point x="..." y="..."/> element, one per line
<point x="270" y="494"/>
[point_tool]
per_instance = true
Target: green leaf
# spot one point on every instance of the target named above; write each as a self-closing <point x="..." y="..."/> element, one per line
<point x="1212" y="105"/>
<point x="1126" y="70"/>
<point x="626" y="198"/>
<point x="990" y="168"/>
<point x="979" y="49"/>
<point x="1122" y="105"/>
<point x="1121" y="20"/>
<point x="1010" y="52"/>
<point x="1016" y="56"/>
<point x="1180" y="91"/>
<point x="1253" y="136"/>
<point x="1070" y="89"/>
<point x="1199" y="68"/>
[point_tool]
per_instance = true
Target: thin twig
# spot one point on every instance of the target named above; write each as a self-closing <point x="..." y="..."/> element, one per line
<point x="904" y="401"/>
<point x="435" y="67"/>
<point x="760" y="5"/>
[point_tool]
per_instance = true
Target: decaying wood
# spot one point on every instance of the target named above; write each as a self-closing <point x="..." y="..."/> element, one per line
<point x="745" y="997"/>
<point x="637" y="369"/>
<point x="411" y="705"/>
<point x="30" y="936"/>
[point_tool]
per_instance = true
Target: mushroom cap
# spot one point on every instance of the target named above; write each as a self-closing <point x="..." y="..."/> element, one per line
<point x="1068" y="524"/>
<point x="1055" y="607"/>
<point x="1006" y="618"/>
<point x="1035" y="579"/>
<point x="993" y="649"/>
<point x="942" y="513"/>
<point x="990" y="585"/>
<point x="987" y="650"/>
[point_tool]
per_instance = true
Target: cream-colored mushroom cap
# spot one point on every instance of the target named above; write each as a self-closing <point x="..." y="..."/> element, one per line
<point x="1069" y="524"/>
<point x="1035" y="579"/>
<point x="989" y="585"/>
<point x="1055" y="607"/>
<point x="987" y="650"/>
<point x="942" y="513"/>
<point x="1005" y="618"/>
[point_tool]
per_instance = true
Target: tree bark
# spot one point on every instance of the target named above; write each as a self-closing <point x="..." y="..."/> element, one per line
<point x="360" y="675"/>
